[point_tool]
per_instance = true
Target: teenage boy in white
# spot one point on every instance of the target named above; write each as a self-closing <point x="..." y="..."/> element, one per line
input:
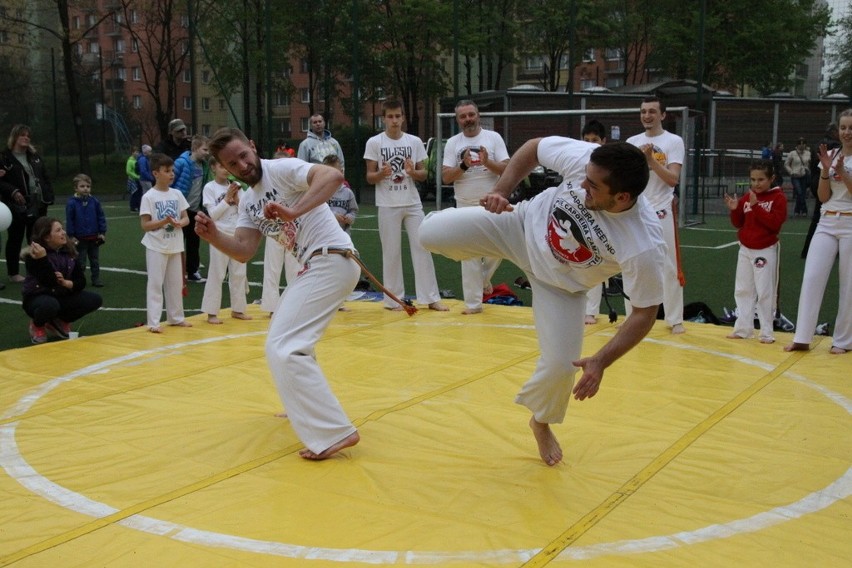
<point x="162" y="213"/>
<point x="664" y="152"/>
<point x="394" y="162"/>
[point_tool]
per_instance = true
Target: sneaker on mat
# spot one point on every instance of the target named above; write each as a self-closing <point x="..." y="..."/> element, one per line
<point x="58" y="328"/>
<point x="37" y="333"/>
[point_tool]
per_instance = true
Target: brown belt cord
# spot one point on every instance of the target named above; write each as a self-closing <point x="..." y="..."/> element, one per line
<point x="409" y="308"/>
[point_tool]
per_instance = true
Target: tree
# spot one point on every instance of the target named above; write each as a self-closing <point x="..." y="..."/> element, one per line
<point x="487" y="41"/>
<point x="841" y="57"/>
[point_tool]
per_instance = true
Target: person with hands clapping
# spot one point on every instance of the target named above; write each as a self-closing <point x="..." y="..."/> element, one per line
<point x="833" y="235"/>
<point x="53" y="289"/>
<point x="162" y="212"/>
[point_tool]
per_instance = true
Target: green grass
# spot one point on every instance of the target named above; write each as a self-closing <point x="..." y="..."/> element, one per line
<point x="708" y="263"/>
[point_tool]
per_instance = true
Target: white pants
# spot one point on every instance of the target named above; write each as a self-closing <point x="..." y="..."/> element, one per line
<point x="306" y="309"/>
<point x="672" y="290"/>
<point x="274" y="258"/>
<point x="220" y="264"/>
<point x="474" y="232"/>
<point x="165" y="282"/>
<point x="476" y="275"/>
<point x="833" y="235"/>
<point x="593" y="301"/>
<point x="756" y="285"/>
<point x="391" y="220"/>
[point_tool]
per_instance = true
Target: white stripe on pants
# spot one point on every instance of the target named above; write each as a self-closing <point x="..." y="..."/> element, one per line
<point x="672" y="290"/>
<point x="391" y="220"/>
<point x="220" y="264"/>
<point x="306" y="309"/>
<point x="756" y="286"/>
<point x="473" y="232"/>
<point x="165" y="281"/>
<point x="833" y="235"/>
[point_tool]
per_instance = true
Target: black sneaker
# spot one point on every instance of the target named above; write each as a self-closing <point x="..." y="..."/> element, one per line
<point x="195" y="277"/>
<point x="97" y="284"/>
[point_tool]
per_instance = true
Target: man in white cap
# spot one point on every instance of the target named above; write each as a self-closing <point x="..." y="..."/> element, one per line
<point x="177" y="142"/>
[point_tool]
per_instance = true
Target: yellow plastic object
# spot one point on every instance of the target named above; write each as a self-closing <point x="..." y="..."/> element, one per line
<point x="164" y="450"/>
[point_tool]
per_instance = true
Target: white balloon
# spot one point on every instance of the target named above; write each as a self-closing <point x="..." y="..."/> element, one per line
<point x="5" y="217"/>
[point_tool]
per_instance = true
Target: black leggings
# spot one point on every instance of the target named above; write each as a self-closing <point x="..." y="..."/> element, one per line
<point x="45" y="308"/>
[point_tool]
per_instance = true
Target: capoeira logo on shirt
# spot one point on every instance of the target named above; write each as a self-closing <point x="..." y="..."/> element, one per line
<point x="567" y="231"/>
<point x="396" y="156"/>
<point x="284" y="232"/>
<point x="167" y="208"/>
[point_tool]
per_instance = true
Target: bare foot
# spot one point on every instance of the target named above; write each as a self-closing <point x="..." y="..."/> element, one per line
<point x="281" y="414"/>
<point x="183" y="323"/>
<point x="837" y="350"/>
<point x="394" y="308"/>
<point x="346" y="442"/>
<point x="240" y="316"/>
<point x="677" y="329"/>
<point x="438" y="307"/>
<point x="214" y="320"/>
<point x="798" y="347"/>
<point x="343" y="309"/>
<point x="470" y="311"/>
<point x="591" y="320"/>
<point x="767" y="340"/>
<point x="731" y="336"/>
<point x="548" y="446"/>
<point x="156" y="329"/>
<point x="488" y="290"/>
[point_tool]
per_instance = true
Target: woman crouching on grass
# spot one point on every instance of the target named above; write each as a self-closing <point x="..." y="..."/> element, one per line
<point x="53" y="290"/>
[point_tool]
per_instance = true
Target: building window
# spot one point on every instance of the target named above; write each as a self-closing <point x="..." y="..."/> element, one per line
<point x="285" y="128"/>
<point x="137" y="101"/>
<point x="586" y="84"/>
<point x="221" y="104"/>
<point x="184" y="21"/>
<point x="90" y="20"/>
<point x="134" y="46"/>
<point x="137" y="74"/>
<point x="282" y="99"/>
<point x="187" y="76"/>
<point x="534" y="63"/>
<point x="134" y="16"/>
<point x="119" y="46"/>
<point x="187" y="103"/>
<point x="378" y="123"/>
<point x="306" y="96"/>
<point x="75" y="25"/>
<point x="613" y="53"/>
<point x="205" y="103"/>
<point x="304" y="123"/>
<point x="205" y="129"/>
<point x="303" y="65"/>
<point x="589" y="55"/>
<point x="121" y="73"/>
<point x="94" y="47"/>
<point x="4" y="36"/>
<point x="205" y="76"/>
<point x="614" y="82"/>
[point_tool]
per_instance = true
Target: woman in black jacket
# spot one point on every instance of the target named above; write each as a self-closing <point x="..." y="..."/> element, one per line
<point x="26" y="189"/>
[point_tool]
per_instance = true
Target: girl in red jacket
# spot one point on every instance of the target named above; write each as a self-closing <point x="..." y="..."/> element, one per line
<point x="758" y="216"/>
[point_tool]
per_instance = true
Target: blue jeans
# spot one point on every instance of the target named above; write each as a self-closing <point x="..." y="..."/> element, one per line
<point x="800" y="188"/>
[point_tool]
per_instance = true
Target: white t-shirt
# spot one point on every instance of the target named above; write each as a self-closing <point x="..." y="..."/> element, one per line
<point x="840" y="200"/>
<point x="159" y="205"/>
<point x="213" y="199"/>
<point x="576" y="249"/>
<point x="477" y="180"/>
<point x="285" y="182"/>
<point x="398" y="190"/>
<point x="668" y="149"/>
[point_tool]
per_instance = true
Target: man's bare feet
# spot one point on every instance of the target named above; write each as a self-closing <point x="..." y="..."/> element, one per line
<point x="214" y="320"/>
<point x="837" y="350"/>
<point x="282" y="414"/>
<point x="156" y="329"/>
<point x="438" y="307"/>
<point x="488" y="290"/>
<point x="394" y="308"/>
<point x="470" y="311"/>
<point x="548" y="446"/>
<point x="797" y="347"/>
<point x="767" y="340"/>
<point x="240" y="315"/>
<point x="733" y="336"/>
<point x="183" y="323"/>
<point x="591" y="320"/>
<point x="677" y="329"/>
<point x="346" y="442"/>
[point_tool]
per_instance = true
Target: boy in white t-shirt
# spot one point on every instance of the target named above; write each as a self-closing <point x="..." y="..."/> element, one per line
<point x="394" y="162"/>
<point x="221" y="199"/>
<point x="162" y="212"/>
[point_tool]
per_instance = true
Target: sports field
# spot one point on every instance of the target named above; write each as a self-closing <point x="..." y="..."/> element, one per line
<point x="709" y="252"/>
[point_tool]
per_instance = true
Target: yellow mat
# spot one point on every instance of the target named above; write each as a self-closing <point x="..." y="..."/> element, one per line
<point x="136" y="449"/>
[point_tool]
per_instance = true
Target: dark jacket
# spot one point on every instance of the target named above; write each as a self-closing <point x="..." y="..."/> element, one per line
<point x="17" y="180"/>
<point x="41" y="274"/>
<point x="172" y="150"/>
<point x="84" y="218"/>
